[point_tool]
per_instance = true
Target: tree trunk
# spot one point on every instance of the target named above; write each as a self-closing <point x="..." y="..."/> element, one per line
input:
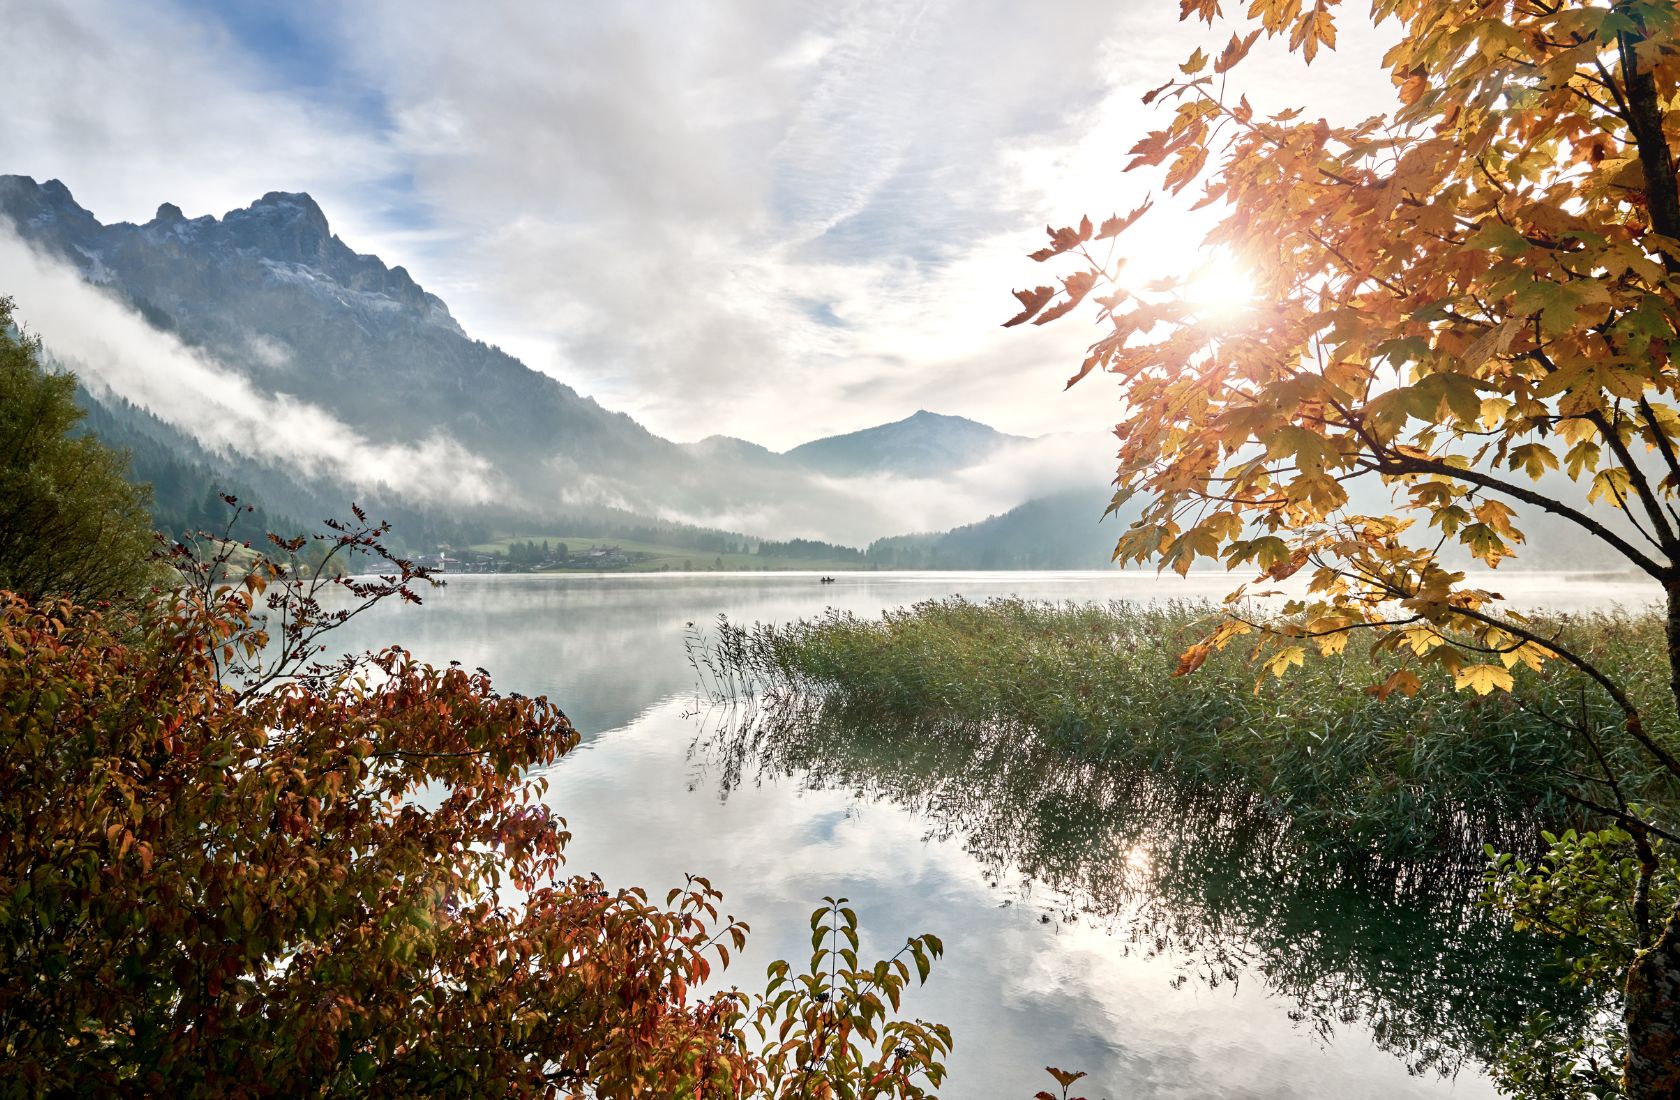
<point x="1652" y="1016"/>
<point x="1652" y="1012"/>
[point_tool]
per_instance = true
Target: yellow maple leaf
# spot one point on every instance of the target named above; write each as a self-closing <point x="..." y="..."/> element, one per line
<point x="1284" y="658"/>
<point x="1482" y="679"/>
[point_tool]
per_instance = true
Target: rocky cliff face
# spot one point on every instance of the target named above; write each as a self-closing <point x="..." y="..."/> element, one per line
<point x="280" y="232"/>
<point x="270" y="292"/>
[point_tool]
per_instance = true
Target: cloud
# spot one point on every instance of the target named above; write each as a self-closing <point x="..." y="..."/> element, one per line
<point x="709" y="216"/>
<point x="773" y="221"/>
<point x="113" y="349"/>
<point x="853" y="511"/>
<point x="136" y="104"/>
<point x="695" y="214"/>
<point x="268" y="352"/>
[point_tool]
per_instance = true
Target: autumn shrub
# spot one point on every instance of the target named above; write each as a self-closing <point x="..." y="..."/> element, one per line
<point x="205" y="894"/>
<point x="230" y="868"/>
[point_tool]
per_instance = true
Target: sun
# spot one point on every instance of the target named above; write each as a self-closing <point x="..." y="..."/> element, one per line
<point x="1219" y="289"/>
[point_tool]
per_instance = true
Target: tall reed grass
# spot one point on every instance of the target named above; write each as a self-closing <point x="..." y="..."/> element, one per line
<point x="1440" y="771"/>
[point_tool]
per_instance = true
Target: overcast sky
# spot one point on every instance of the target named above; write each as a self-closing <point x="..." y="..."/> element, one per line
<point x="771" y="219"/>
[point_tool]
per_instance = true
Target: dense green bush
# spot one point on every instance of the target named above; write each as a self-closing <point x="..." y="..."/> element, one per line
<point x="70" y="525"/>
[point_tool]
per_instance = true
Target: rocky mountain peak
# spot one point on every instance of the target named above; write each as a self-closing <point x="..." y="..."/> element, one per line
<point x="53" y="189"/>
<point x="287" y="208"/>
<point x="47" y="209"/>
<point x="922" y="444"/>
<point x="923" y="419"/>
<point x="291" y="204"/>
<point x="285" y="226"/>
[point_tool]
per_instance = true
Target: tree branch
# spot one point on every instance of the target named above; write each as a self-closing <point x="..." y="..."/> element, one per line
<point x="1394" y="464"/>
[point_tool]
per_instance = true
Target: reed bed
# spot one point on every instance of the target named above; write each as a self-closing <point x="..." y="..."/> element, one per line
<point x="1401" y="777"/>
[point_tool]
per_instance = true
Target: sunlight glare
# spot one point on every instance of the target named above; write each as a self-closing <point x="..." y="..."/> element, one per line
<point x="1219" y="289"/>
<point x="1136" y="858"/>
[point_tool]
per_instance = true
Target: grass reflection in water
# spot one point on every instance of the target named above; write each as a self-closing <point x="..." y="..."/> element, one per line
<point x="1210" y="875"/>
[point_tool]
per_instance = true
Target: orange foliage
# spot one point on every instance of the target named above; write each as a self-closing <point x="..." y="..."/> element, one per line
<point x="1471" y="300"/>
<point x="1467" y="299"/>
<point x="230" y="869"/>
<point x="340" y="885"/>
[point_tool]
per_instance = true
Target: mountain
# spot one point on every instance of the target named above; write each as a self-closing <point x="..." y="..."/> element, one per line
<point x="267" y="297"/>
<point x="272" y="294"/>
<point x="727" y="448"/>
<point x="281" y="304"/>
<point x="922" y="445"/>
<point x="188" y="480"/>
<point x="1059" y="531"/>
<point x="277" y="301"/>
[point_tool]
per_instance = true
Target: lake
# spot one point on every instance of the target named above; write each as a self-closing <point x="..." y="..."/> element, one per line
<point x="1089" y="923"/>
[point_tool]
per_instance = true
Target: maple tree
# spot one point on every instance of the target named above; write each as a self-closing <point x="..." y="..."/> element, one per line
<point x="1470" y="301"/>
<point x="231" y="866"/>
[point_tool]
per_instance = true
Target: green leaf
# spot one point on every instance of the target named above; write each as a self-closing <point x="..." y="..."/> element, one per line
<point x="1496" y="236"/>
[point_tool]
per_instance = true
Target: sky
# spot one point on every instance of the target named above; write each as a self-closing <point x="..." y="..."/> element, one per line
<point x="763" y="218"/>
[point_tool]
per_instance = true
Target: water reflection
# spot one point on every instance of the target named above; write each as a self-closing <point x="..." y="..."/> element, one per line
<point x="609" y="647"/>
<point x="1205" y="879"/>
<point x="1055" y="841"/>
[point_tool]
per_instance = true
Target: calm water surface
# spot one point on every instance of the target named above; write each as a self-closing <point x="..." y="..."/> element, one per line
<point x="1160" y="947"/>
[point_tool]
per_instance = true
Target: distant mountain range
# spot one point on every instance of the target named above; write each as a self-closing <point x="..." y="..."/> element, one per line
<point x="266" y="298"/>
<point x="924" y="444"/>
<point x="921" y="445"/>
<point x="1053" y="532"/>
<point x="273" y="299"/>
